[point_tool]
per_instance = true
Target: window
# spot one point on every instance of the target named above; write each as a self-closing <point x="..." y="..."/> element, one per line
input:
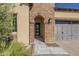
<point x="14" y="22"/>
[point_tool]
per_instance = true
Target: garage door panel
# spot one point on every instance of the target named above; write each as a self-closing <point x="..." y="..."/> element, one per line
<point x="68" y="37"/>
<point x="59" y="32"/>
<point x="59" y="35"/>
<point x="74" y="37"/>
<point x="67" y="30"/>
<point x="75" y="31"/>
<point x="59" y="27"/>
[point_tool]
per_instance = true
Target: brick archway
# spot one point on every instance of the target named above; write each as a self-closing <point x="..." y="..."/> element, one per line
<point x="46" y="30"/>
<point x="39" y="20"/>
<point x="45" y="13"/>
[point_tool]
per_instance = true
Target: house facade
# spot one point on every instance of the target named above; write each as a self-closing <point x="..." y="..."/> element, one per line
<point x="43" y="20"/>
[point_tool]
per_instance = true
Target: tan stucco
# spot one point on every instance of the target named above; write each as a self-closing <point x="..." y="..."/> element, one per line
<point x="22" y="23"/>
<point x="66" y="15"/>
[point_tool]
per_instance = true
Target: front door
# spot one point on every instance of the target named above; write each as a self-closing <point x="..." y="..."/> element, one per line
<point x="37" y="30"/>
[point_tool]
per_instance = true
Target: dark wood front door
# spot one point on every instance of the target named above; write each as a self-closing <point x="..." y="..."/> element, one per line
<point x="37" y="30"/>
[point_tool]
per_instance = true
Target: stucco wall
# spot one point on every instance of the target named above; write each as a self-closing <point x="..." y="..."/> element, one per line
<point x="22" y="23"/>
<point x="67" y="15"/>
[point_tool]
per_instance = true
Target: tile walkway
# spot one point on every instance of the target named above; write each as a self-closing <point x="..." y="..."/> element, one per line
<point x="40" y="48"/>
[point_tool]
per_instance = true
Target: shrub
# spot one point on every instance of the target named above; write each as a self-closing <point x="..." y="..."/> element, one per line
<point x="16" y="49"/>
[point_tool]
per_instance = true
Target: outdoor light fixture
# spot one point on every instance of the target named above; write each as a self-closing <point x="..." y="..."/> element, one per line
<point x="49" y="20"/>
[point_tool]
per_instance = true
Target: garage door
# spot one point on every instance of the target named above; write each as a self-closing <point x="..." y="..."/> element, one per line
<point x="67" y="30"/>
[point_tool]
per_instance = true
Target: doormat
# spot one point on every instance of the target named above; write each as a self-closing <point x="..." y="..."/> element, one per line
<point x="53" y="45"/>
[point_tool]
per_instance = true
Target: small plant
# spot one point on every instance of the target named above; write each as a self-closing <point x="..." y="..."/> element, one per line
<point x="16" y="49"/>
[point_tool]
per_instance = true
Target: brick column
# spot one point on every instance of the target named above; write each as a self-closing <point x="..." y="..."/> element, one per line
<point x="49" y="33"/>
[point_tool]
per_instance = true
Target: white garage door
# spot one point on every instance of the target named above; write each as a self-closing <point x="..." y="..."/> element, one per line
<point x="67" y="30"/>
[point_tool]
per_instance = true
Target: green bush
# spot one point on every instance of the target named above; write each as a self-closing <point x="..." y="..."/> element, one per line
<point x="16" y="49"/>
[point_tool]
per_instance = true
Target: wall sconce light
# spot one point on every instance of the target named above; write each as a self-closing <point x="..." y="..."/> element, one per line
<point x="49" y="20"/>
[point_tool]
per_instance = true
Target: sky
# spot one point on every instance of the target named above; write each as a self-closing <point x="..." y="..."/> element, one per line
<point x="67" y="5"/>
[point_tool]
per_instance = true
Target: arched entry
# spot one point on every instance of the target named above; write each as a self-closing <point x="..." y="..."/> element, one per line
<point x="39" y="27"/>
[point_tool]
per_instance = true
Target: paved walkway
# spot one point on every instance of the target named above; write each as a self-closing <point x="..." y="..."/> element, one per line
<point x="40" y="48"/>
<point x="71" y="46"/>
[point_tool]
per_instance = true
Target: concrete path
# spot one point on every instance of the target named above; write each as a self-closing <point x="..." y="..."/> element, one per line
<point x="71" y="46"/>
<point x="40" y="48"/>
